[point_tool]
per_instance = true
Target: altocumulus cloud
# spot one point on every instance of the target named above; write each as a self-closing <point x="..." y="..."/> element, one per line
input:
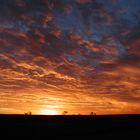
<point x="76" y="54"/>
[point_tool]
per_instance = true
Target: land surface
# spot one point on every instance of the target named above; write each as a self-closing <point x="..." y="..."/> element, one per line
<point x="70" y="126"/>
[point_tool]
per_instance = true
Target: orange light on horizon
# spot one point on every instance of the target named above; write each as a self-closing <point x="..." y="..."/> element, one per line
<point x="49" y="112"/>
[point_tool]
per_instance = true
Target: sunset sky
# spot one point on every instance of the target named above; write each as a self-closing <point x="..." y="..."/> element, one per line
<point x="81" y="56"/>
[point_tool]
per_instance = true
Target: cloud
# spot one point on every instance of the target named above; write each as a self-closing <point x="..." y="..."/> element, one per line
<point x="48" y="56"/>
<point x="84" y="1"/>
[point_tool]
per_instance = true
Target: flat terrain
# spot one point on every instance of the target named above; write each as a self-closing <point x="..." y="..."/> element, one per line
<point x="70" y="126"/>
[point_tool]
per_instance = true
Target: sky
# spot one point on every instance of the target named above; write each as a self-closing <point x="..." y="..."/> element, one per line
<point x="79" y="56"/>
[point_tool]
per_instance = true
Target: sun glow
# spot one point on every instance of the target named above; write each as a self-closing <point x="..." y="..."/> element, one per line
<point x="49" y="112"/>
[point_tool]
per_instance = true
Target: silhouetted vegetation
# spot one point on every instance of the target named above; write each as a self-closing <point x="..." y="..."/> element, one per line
<point x="92" y="113"/>
<point x="65" y="112"/>
<point x="28" y="113"/>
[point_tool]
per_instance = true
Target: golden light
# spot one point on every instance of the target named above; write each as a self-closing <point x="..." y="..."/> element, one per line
<point x="49" y="112"/>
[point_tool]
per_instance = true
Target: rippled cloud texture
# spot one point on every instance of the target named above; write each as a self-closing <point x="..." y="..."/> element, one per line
<point x="75" y="55"/>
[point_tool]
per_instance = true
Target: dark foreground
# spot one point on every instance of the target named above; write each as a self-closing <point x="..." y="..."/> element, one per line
<point x="75" y="126"/>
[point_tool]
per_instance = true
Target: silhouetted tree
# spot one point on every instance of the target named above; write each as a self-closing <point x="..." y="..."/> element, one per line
<point x="28" y="113"/>
<point x="92" y="113"/>
<point x="65" y="112"/>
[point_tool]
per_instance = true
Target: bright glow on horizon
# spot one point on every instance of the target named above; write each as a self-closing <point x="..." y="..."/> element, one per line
<point x="49" y="112"/>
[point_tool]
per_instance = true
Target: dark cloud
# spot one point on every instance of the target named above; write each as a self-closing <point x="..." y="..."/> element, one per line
<point x="80" y="54"/>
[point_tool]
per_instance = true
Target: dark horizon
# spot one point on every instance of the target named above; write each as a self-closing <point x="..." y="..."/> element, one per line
<point x="72" y="126"/>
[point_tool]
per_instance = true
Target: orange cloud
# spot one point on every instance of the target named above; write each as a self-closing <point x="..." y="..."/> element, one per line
<point x="49" y="62"/>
